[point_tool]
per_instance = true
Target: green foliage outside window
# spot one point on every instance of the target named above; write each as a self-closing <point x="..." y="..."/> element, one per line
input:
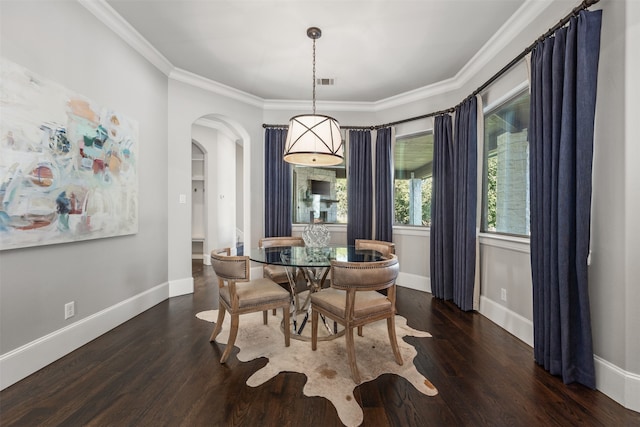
<point x="341" y="194"/>
<point x="492" y="195"/>
<point x="426" y="201"/>
<point x="402" y="202"/>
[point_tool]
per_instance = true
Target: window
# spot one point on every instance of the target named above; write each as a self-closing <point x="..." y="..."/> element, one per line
<point x="320" y="194"/>
<point x="413" y="168"/>
<point x="506" y="167"/>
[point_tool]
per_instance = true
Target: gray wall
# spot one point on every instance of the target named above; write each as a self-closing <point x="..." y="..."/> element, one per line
<point x="64" y="43"/>
<point x="632" y="181"/>
<point x="188" y="103"/>
<point x="615" y="271"/>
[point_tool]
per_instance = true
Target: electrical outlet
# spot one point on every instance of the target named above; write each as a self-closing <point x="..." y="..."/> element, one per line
<point x="503" y="294"/>
<point x="69" y="309"/>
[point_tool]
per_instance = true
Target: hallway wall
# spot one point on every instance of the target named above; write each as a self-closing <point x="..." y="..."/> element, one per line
<point x="111" y="279"/>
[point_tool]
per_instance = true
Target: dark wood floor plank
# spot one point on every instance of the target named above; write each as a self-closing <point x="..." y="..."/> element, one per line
<point x="159" y="369"/>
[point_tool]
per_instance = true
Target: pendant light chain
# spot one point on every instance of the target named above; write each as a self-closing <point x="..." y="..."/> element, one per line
<point x="314" y="76"/>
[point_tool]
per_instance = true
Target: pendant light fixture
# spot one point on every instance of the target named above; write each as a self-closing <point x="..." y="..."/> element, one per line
<point x="313" y="139"/>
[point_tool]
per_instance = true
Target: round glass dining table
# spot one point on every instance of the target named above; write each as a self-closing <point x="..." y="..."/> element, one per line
<point x="314" y="264"/>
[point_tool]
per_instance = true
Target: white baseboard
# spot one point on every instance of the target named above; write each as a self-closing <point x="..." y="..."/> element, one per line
<point x="413" y="281"/>
<point x="23" y="361"/>
<point x="618" y="384"/>
<point x="514" y="323"/>
<point x="180" y="287"/>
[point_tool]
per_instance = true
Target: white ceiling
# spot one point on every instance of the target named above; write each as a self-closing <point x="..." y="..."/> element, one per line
<point x="374" y="49"/>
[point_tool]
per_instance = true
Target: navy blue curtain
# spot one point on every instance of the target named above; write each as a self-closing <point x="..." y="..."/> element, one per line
<point x="360" y="187"/>
<point x="564" y="71"/>
<point x="453" y="206"/>
<point x="384" y="186"/>
<point x="277" y="185"/>
<point x="465" y="179"/>
<point x="441" y="254"/>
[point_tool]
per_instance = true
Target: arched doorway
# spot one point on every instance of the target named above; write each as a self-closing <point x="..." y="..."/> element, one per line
<point x="220" y="198"/>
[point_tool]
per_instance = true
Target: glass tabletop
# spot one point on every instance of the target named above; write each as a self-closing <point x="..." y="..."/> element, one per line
<point x="301" y="256"/>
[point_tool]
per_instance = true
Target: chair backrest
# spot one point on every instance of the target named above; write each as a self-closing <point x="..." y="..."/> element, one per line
<point x="364" y="276"/>
<point x="385" y="248"/>
<point x="270" y="242"/>
<point x="227" y="267"/>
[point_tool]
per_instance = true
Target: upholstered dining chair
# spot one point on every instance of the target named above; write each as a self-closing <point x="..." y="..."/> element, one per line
<point x="352" y="301"/>
<point x="385" y="248"/>
<point x="278" y="273"/>
<point x="240" y="295"/>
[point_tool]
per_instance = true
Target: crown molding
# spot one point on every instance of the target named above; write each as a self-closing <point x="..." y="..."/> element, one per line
<point x="196" y="80"/>
<point x="525" y="14"/>
<point x="109" y="17"/>
<point x="419" y="94"/>
<point x="529" y="10"/>
<point x="287" y="105"/>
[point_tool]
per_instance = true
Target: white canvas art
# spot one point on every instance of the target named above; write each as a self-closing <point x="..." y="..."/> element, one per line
<point x="68" y="167"/>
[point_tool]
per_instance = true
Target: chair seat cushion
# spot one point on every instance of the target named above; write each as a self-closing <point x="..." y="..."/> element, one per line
<point x="256" y="292"/>
<point x="277" y="273"/>
<point x="367" y="302"/>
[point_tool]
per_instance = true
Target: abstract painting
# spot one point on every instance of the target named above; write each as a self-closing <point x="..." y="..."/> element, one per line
<point x="68" y="167"/>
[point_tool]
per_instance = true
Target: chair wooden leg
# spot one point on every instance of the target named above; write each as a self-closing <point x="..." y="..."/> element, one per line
<point x="314" y="329"/>
<point x="233" y="333"/>
<point x="360" y="331"/>
<point x="265" y="317"/>
<point x="391" y="327"/>
<point x="287" y="325"/>
<point x="351" y="353"/>
<point x="296" y="303"/>
<point x="218" y="328"/>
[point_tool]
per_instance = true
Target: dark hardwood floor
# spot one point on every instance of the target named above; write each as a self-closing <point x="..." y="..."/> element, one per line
<point x="159" y="369"/>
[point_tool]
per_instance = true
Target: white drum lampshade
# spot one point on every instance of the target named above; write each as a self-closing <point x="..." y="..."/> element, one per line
<point x="313" y="140"/>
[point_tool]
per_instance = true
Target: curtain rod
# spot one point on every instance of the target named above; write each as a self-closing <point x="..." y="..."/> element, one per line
<point x="582" y="6"/>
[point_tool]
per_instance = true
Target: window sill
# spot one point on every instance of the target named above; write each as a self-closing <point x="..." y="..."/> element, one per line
<point x="411" y="230"/>
<point x="513" y="243"/>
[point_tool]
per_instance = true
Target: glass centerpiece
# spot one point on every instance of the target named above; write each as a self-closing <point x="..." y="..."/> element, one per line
<point x="316" y="235"/>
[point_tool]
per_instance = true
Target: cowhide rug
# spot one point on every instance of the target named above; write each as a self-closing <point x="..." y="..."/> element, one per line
<point x="327" y="369"/>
